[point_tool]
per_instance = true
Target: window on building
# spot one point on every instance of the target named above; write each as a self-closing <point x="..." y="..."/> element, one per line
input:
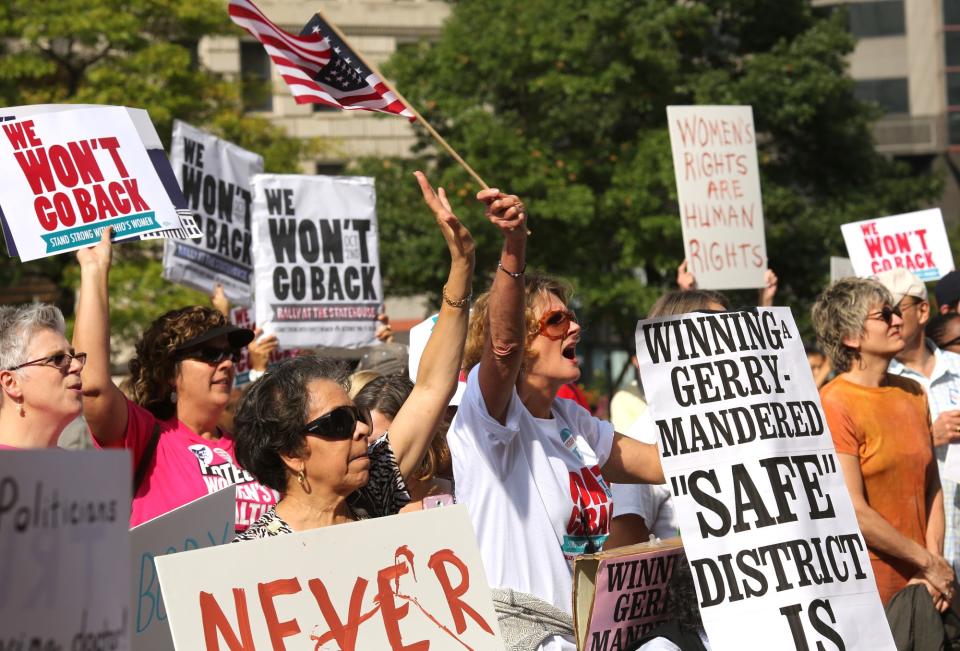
<point x="953" y="127"/>
<point x="951" y="12"/>
<point x="255" y="77"/>
<point x="323" y="108"/>
<point x="878" y="18"/>
<point x="951" y="46"/>
<point x="890" y="94"/>
<point x="327" y="168"/>
<point x="953" y="89"/>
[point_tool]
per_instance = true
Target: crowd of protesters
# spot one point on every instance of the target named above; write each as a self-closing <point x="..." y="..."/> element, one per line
<point x="309" y="445"/>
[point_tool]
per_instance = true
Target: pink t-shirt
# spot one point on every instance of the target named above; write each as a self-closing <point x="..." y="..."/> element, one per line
<point x="186" y="466"/>
<point x="7" y="447"/>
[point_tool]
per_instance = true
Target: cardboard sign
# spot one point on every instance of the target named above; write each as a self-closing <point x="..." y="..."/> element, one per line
<point x="840" y="268"/>
<point x="768" y="526"/>
<point x="718" y="189"/>
<point x="386" y="583"/>
<point x="316" y="259"/>
<point x="419" y="336"/>
<point x="216" y="179"/>
<point x="206" y="522"/>
<point x="915" y="241"/>
<point x="69" y="173"/>
<point x="241" y="316"/>
<point x="64" y="549"/>
<point x="620" y="594"/>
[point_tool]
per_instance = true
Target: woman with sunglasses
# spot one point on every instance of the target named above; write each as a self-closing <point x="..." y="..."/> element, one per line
<point x="181" y="377"/>
<point x="880" y="425"/>
<point x="533" y="469"/>
<point x="300" y="434"/>
<point x="39" y="377"/>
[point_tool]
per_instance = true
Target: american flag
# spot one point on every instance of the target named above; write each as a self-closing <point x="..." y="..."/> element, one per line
<point x="318" y="66"/>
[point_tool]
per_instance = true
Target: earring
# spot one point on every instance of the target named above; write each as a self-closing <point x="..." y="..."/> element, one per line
<point x="302" y="480"/>
<point x="173" y="397"/>
<point x="22" y="412"/>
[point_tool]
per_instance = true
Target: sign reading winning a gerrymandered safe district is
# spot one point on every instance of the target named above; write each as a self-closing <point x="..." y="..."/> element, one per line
<point x="316" y="259"/>
<point x="68" y="174"/>
<point x="768" y="527"/>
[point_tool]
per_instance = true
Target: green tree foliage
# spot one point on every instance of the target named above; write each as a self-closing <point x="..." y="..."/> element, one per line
<point x="564" y="103"/>
<point x="140" y="53"/>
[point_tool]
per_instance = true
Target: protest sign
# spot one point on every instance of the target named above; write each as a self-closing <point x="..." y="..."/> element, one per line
<point x="768" y="526"/>
<point x="915" y="241"/>
<point x="69" y="173"/>
<point x="241" y="316"/>
<point x="205" y="522"/>
<point x="402" y="582"/>
<point x="216" y="179"/>
<point x="620" y="594"/>
<point x="316" y="259"/>
<point x="419" y="336"/>
<point x="64" y="549"/>
<point x="840" y="268"/>
<point x="718" y="190"/>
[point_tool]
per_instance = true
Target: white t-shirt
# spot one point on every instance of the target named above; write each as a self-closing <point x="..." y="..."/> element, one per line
<point x="531" y="485"/>
<point x="652" y="502"/>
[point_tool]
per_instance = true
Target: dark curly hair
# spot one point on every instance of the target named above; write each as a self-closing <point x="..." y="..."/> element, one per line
<point x="271" y="415"/>
<point x="154" y="367"/>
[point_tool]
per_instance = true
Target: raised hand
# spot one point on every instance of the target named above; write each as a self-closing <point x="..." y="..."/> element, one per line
<point x="259" y="350"/>
<point x="458" y="238"/>
<point x="686" y="281"/>
<point x="769" y="290"/>
<point x="505" y="211"/>
<point x="100" y="254"/>
<point x="219" y="300"/>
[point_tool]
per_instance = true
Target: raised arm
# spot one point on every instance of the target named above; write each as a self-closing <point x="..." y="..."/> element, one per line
<point x="104" y="405"/>
<point x="416" y="422"/>
<point x="502" y="354"/>
<point x="632" y="462"/>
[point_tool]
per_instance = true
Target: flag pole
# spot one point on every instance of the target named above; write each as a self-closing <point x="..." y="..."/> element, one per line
<point x="426" y="125"/>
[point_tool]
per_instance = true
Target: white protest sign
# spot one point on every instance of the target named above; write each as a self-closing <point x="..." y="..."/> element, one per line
<point x="915" y="241"/>
<point x="718" y="190"/>
<point x="419" y="336"/>
<point x="64" y="549"/>
<point x="414" y="579"/>
<point x="840" y="268"/>
<point x="68" y="174"/>
<point x="768" y="525"/>
<point x="216" y="179"/>
<point x="205" y="522"/>
<point x="316" y="259"/>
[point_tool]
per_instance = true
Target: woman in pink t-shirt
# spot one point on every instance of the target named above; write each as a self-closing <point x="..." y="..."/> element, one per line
<point x="182" y="376"/>
<point x="39" y="377"/>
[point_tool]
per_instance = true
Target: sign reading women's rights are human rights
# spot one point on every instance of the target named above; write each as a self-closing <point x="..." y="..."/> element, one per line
<point x="68" y="174"/>
<point x="768" y="526"/>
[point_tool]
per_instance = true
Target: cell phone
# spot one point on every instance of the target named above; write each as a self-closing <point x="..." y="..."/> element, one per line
<point x="433" y="501"/>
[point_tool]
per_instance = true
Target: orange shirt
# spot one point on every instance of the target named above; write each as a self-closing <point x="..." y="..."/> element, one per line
<point x="888" y="429"/>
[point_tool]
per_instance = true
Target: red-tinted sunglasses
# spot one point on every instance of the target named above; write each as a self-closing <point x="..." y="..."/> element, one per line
<point x="555" y="324"/>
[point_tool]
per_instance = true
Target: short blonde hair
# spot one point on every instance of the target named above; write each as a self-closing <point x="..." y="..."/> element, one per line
<point x="841" y="311"/>
<point x="536" y="286"/>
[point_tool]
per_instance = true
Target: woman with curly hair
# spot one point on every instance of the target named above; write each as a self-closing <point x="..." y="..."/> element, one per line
<point x="181" y="379"/>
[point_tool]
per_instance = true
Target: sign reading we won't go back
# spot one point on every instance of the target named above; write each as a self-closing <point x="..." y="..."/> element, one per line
<point x="768" y="526"/>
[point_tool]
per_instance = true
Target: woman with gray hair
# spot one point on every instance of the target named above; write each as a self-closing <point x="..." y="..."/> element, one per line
<point x="39" y="377"/>
<point x="880" y="425"/>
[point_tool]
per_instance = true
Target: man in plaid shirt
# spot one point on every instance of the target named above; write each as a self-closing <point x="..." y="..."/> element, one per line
<point x="938" y="372"/>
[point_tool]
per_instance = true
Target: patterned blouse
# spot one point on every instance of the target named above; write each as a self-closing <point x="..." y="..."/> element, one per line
<point x="385" y="494"/>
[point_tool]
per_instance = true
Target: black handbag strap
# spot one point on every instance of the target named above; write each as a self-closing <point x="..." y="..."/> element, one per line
<point x="147" y="457"/>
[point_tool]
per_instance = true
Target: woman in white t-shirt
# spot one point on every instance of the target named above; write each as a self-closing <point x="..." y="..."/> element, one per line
<point x="533" y="470"/>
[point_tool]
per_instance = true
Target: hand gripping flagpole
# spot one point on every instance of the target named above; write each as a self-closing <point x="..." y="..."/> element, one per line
<point x="416" y="113"/>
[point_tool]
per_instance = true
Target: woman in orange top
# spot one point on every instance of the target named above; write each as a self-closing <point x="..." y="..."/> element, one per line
<point x="881" y="429"/>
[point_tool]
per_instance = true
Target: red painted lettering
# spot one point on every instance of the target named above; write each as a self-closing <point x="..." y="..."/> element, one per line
<point x="392" y="613"/>
<point x="277" y="629"/>
<point x="458" y="606"/>
<point x="215" y="621"/>
<point x="133" y="191"/>
<point x="344" y="633"/>
<point x="21" y="135"/>
<point x="111" y="144"/>
<point x="36" y="168"/>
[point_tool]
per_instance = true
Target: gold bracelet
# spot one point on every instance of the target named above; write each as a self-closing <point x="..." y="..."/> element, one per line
<point x="462" y="302"/>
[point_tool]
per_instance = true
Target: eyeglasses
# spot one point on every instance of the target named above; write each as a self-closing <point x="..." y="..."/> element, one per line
<point x="555" y="324"/>
<point x="60" y="361"/>
<point x="212" y="355"/>
<point x="952" y="342"/>
<point x="886" y="314"/>
<point x="340" y="423"/>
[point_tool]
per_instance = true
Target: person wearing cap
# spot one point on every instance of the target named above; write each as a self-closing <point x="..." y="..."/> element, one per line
<point x="947" y="291"/>
<point x="181" y="378"/>
<point x="938" y="372"/>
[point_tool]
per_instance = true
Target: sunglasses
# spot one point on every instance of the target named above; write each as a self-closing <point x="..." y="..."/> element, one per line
<point x="886" y="314"/>
<point x="952" y="342"/>
<point x="60" y="361"/>
<point x="340" y="423"/>
<point x="212" y="355"/>
<point x="555" y="324"/>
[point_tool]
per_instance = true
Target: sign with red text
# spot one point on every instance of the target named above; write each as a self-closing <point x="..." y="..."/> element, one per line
<point x="216" y="179"/>
<point x="768" y="526"/>
<point x="718" y="191"/>
<point x="620" y="594"/>
<point x="316" y="259"/>
<point x="64" y="549"/>
<point x="915" y="241"/>
<point x="68" y="174"/>
<point x="243" y="318"/>
<point x="402" y="582"/>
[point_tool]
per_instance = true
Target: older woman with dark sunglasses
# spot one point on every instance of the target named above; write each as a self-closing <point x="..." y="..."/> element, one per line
<point x="880" y="423"/>
<point x="181" y="378"/>
<point x="532" y="469"/>
<point x="299" y="433"/>
<point x="39" y="377"/>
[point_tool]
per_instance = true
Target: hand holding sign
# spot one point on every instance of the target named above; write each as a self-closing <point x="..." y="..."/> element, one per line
<point x="100" y="254"/>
